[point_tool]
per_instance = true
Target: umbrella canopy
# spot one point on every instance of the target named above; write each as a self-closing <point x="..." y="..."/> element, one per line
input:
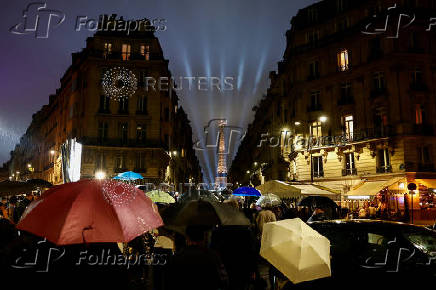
<point x="296" y="250"/>
<point x="246" y="191"/>
<point x="128" y="176"/>
<point x="317" y="201"/>
<point x="268" y="200"/>
<point x="160" y="196"/>
<point x="13" y="187"/>
<point x="207" y="213"/>
<point x="39" y="183"/>
<point x="279" y="188"/>
<point x="91" y="211"/>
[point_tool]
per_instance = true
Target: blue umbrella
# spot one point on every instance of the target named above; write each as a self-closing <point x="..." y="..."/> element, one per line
<point x="246" y="191"/>
<point x="129" y="175"/>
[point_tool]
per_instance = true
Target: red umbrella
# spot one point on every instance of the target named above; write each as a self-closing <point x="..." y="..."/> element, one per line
<point x="91" y="211"/>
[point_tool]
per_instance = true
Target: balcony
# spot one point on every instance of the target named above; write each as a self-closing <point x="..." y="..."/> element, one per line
<point x="384" y="169"/>
<point x="314" y="108"/>
<point x="349" y="171"/>
<point x="118" y="142"/>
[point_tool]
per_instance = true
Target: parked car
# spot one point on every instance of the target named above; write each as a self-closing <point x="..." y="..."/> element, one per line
<point x="376" y="254"/>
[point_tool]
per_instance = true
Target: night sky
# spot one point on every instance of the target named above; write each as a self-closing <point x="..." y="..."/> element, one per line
<point x="243" y="39"/>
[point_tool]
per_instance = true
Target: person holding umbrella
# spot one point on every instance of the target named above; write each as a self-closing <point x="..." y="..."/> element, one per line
<point x="196" y="266"/>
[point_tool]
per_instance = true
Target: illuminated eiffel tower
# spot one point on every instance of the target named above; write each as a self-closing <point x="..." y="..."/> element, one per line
<point x="221" y="177"/>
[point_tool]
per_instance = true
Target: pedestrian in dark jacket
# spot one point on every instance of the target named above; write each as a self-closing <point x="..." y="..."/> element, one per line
<point x="196" y="267"/>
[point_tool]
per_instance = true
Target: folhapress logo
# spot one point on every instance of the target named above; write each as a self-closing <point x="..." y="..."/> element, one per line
<point x="38" y="19"/>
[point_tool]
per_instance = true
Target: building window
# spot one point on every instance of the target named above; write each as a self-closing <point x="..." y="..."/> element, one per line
<point x="315" y="129"/>
<point x="346" y="90"/>
<point x="314" y="70"/>
<point x="142" y="78"/>
<point x="379" y="81"/>
<point x="142" y="105"/>
<point x="384" y="163"/>
<point x="140" y="134"/>
<point x="380" y="122"/>
<point x="312" y="36"/>
<point x="416" y="78"/>
<point x="102" y="131"/>
<point x="123" y="106"/>
<point x="167" y="114"/>
<point x="100" y="161"/>
<point x="182" y="153"/>
<point x="125" y="51"/>
<point x="140" y="162"/>
<point x="315" y="104"/>
<point x="317" y="166"/>
<point x="104" y="104"/>
<point x="340" y="5"/>
<point x="123" y="132"/>
<point x="107" y="50"/>
<point x="343" y="60"/>
<point x="120" y="162"/>
<point x="342" y="24"/>
<point x="312" y="14"/>
<point x="350" y="166"/>
<point x="145" y="51"/>
<point x="424" y="155"/>
<point x="349" y="127"/>
<point x="418" y="114"/>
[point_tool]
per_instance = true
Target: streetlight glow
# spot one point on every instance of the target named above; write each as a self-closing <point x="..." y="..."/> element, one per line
<point x="323" y="119"/>
<point x="100" y="175"/>
<point x="297" y="123"/>
<point x="52" y="152"/>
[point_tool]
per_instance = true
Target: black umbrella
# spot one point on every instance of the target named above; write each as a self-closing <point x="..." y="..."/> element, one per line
<point x="39" y="183"/>
<point x="12" y="187"/>
<point x="206" y="213"/>
<point x="317" y="201"/>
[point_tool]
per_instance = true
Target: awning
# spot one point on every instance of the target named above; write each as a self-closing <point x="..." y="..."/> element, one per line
<point x="310" y="189"/>
<point x="429" y="183"/>
<point x="279" y="188"/>
<point x="370" y="188"/>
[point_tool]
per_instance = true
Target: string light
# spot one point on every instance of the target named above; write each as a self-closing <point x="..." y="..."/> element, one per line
<point x="119" y="83"/>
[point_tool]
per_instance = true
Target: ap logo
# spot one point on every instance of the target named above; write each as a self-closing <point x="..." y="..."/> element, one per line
<point x="38" y="19"/>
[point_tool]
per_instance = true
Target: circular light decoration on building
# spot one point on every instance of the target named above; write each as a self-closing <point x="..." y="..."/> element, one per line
<point x="119" y="83"/>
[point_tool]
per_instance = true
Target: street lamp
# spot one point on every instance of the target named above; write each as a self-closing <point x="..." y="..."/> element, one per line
<point x="52" y="152"/>
<point x="100" y="175"/>
<point x="297" y="123"/>
<point x="323" y="119"/>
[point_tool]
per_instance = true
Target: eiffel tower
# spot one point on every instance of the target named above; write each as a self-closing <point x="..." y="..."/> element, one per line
<point x="221" y="177"/>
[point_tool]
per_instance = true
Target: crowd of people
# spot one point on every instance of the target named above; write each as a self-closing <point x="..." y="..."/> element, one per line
<point x="200" y="257"/>
<point x="13" y="208"/>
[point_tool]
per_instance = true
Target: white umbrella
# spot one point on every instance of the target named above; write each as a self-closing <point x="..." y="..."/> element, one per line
<point x="268" y="200"/>
<point x="296" y="250"/>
